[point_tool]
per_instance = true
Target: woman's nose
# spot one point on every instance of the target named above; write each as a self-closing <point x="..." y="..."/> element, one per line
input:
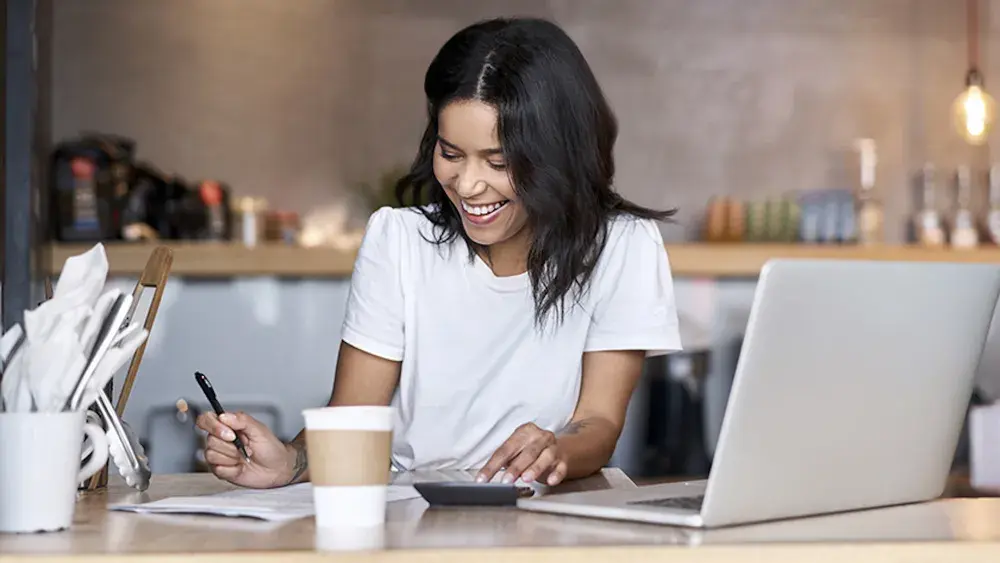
<point x="469" y="187"/>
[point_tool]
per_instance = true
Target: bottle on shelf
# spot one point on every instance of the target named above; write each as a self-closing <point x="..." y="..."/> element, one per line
<point x="810" y="227"/>
<point x="847" y="220"/>
<point x="993" y="215"/>
<point x="870" y="218"/>
<point x="794" y="211"/>
<point x="930" y="231"/>
<point x="776" y="219"/>
<point x="964" y="233"/>
<point x="756" y="223"/>
<point x="715" y="220"/>
<point x="735" y="221"/>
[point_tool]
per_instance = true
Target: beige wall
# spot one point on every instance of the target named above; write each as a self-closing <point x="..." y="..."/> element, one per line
<point x="295" y="99"/>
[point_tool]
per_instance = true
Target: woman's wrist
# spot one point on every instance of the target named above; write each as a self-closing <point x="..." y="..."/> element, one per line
<point x="298" y="461"/>
<point x="587" y="445"/>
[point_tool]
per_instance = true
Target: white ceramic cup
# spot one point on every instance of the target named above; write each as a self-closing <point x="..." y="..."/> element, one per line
<point x="348" y="451"/>
<point x="40" y="467"/>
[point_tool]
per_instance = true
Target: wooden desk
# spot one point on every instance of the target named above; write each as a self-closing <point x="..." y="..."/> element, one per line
<point x="966" y="530"/>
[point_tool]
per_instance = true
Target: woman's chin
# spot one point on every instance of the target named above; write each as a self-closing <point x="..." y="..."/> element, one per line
<point x="484" y="235"/>
<point x="490" y="233"/>
<point x="482" y="239"/>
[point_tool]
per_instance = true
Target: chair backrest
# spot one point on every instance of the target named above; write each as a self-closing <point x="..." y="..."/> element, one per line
<point x="154" y="275"/>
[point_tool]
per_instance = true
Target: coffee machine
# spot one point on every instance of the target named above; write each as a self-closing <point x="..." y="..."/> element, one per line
<point x="91" y="176"/>
<point x="100" y="192"/>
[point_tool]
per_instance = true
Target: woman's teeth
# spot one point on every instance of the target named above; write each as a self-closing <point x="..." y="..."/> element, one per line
<point x="481" y="210"/>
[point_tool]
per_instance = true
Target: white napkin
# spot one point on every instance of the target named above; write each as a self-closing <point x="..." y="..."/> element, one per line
<point x="59" y="334"/>
<point x="15" y="397"/>
<point x="82" y="277"/>
<point x="52" y="367"/>
<point x="80" y="284"/>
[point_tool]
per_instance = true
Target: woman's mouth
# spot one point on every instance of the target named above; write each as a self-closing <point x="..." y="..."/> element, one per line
<point x="483" y="214"/>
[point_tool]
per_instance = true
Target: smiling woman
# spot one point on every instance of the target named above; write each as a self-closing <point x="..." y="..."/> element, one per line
<point x="470" y="167"/>
<point x="515" y="114"/>
<point x="506" y="321"/>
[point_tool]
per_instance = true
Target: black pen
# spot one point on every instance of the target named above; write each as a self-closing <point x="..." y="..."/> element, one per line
<point x="206" y="387"/>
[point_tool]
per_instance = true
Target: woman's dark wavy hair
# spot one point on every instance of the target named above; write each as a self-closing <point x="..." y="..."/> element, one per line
<point x="557" y="133"/>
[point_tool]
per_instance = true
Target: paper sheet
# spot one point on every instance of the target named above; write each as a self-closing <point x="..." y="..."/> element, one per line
<point x="286" y="503"/>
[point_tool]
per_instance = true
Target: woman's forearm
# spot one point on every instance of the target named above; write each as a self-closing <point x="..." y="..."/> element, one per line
<point x="300" y="468"/>
<point x="587" y="445"/>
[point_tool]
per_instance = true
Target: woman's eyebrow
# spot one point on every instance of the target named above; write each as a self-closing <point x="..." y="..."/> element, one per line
<point x="445" y="142"/>
<point x="484" y="152"/>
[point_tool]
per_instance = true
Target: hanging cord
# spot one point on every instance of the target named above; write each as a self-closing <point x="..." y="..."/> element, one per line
<point x="972" y="32"/>
<point x="972" y="36"/>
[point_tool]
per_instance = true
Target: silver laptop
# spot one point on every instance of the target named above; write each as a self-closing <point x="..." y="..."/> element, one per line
<point x="850" y="393"/>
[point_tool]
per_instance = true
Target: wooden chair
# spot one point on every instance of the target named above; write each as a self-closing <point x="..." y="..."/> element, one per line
<point x="154" y="275"/>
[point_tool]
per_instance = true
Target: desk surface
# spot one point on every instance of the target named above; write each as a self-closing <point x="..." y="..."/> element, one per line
<point x="950" y="529"/>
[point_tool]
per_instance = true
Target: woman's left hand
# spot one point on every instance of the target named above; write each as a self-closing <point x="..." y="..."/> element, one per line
<point x="531" y="454"/>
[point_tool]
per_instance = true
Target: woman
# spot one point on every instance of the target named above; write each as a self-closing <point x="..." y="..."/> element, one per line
<point x="508" y="319"/>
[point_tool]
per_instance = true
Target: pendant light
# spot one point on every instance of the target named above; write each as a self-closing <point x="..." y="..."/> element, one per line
<point x="974" y="109"/>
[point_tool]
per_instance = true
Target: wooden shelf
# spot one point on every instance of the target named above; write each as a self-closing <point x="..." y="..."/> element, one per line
<point x="207" y="260"/>
<point x="746" y="260"/>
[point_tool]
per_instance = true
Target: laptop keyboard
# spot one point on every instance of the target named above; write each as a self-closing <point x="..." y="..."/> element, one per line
<point x="684" y="503"/>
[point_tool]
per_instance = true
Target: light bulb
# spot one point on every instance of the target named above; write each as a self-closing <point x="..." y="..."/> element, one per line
<point x="974" y="110"/>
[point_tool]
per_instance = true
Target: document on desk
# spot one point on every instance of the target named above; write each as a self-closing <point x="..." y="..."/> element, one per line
<point x="286" y="503"/>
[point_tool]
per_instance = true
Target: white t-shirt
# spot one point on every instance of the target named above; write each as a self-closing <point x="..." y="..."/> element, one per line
<point x="474" y="365"/>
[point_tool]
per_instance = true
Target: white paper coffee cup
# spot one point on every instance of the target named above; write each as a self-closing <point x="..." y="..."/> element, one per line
<point x="348" y="450"/>
<point x="354" y="538"/>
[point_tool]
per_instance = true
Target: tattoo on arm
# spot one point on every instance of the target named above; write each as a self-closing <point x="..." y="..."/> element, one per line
<point x="301" y="460"/>
<point x="573" y="428"/>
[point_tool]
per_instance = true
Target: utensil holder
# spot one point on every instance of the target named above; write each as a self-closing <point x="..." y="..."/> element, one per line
<point x="154" y="275"/>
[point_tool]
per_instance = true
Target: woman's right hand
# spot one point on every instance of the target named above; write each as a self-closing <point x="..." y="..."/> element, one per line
<point x="271" y="461"/>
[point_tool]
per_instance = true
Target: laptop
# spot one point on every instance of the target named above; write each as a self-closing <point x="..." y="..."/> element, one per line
<point x="850" y="393"/>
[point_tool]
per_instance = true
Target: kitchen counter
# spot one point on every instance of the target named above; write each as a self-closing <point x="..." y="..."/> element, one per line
<point x="212" y="260"/>
<point x="954" y="529"/>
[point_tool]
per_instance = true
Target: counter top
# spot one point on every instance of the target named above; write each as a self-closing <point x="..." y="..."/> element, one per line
<point x="194" y="259"/>
<point x="954" y="529"/>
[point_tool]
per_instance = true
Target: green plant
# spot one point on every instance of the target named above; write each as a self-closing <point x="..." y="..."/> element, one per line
<point x="382" y="193"/>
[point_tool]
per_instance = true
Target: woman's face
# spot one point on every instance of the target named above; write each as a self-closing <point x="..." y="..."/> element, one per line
<point x="471" y="168"/>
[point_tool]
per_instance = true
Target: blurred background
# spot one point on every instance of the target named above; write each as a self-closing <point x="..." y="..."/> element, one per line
<point x="256" y="136"/>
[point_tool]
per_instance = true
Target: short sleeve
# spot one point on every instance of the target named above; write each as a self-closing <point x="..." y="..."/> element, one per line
<point x="635" y="308"/>
<point x="374" y="318"/>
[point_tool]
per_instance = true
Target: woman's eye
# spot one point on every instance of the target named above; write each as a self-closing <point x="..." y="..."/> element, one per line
<point x="449" y="155"/>
<point x="498" y="165"/>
